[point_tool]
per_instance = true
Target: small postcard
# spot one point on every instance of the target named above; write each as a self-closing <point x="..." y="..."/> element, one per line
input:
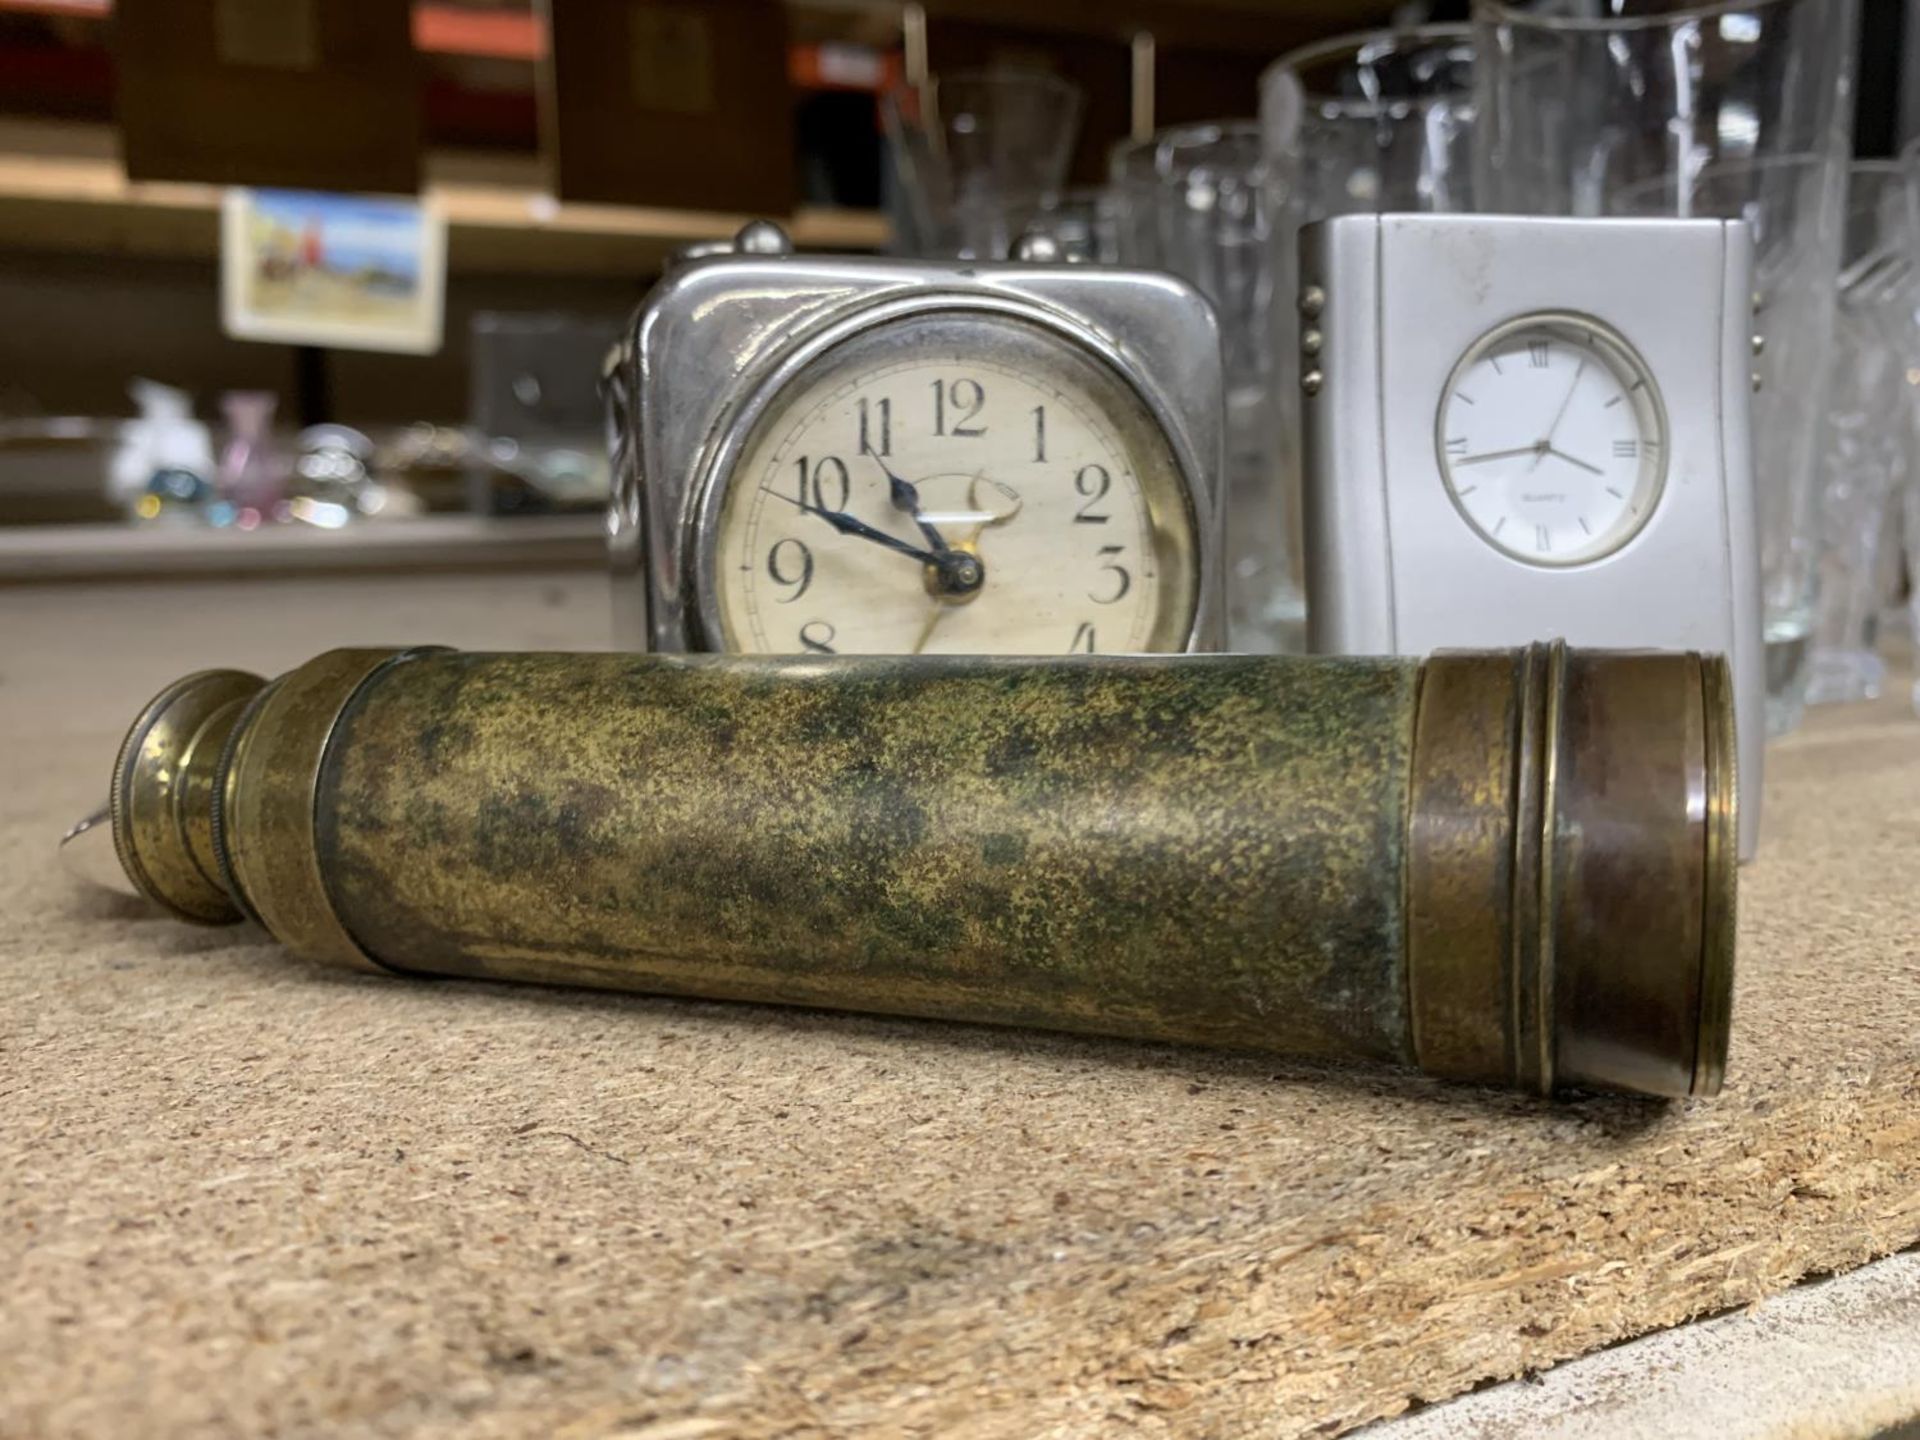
<point x="349" y="271"/>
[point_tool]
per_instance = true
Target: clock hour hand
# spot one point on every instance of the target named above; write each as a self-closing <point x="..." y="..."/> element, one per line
<point x="905" y="497"/>
<point x="1562" y="455"/>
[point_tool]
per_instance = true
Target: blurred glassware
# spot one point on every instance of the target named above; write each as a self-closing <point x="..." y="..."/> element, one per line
<point x="535" y="414"/>
<point x="1084" y="222"/>
<point x="252" y="474"/>
<point x="1197" y="200"/>
<point x="976" y="155"/>
<point x="1869" y="435"/>
<point x="1376" y="121"/>
<point x="1373" y="121"/>
<point x="165" y="463"/>
<point x="1717" y="110"/>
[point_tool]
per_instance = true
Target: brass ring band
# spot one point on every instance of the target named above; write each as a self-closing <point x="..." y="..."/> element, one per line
<point x="267" y="805"/>
<point x="1723" y="841"/>
<point x="162" y="812"/>
<point x="1570" y="869"/>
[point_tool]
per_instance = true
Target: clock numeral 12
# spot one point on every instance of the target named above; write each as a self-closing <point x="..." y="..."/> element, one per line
<point x="885" y="408"/>
<point x="967" y="397"/>
<point x="1537" y="354"/>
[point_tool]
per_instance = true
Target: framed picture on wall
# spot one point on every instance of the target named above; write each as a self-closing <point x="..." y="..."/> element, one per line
<point x="314" y="268"/>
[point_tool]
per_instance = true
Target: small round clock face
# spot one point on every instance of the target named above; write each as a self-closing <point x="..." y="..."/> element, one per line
<point x="954" y="482"/>
<point x="1553" y="440"/>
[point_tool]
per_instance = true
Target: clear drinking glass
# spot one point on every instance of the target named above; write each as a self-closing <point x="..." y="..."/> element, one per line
<point x="1373" y="122"/>
<point x="1084" y="222"/>
<point x="1196" y="200"/>
<point x="1729" y="110"/>
<point x="977" y="154"/>
<point x="1367" y="122"/>
<point x="1869" y="434"/>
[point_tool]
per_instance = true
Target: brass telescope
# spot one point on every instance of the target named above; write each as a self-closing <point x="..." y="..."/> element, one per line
<point x="1508" y="866"/>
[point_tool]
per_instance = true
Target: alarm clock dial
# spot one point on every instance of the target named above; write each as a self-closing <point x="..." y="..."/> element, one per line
<point x="1552" y="439"/>
<point x="954" y="482"/>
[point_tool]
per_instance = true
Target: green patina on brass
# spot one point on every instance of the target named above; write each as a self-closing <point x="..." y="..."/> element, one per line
<point x="1507" y="866"/>
<point x="1205" y="849"/>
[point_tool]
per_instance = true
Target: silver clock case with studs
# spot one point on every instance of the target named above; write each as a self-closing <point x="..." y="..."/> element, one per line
<point x="840" y="454"/>
<point x="1521" y="428"/>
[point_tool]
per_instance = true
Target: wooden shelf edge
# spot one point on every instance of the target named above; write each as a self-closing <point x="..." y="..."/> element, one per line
<point x="62" y="188"/>
<point x="40" y="553"/>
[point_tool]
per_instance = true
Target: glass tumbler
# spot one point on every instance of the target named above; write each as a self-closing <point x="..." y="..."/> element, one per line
<point x="1728" y="110"/>
<point x="1195" y="200"/>
<point x="1869" y="435"/>
<point x="1373" y="122"/>
<point x="1360" y="123"/>
<point x="976" y="155"/>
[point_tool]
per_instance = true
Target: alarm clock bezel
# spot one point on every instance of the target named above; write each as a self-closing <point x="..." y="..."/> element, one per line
<point x="709" y="337"/>
<point x="739" y="422"/>
<point x="1178" y="551"/>
<point x="1655" y="490"/>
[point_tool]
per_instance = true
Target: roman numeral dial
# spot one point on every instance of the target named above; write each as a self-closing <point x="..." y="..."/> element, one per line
<point x="1552" y="439"/>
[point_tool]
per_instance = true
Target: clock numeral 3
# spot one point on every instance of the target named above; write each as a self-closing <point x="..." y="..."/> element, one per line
<point x="1092" y="481"/>
<point x="1082" y="639"/>
<point x="820" y="643"/>
<point x="966" y="398"/>
<point x="794" y="571"/>
<point x="1626" y="449"/>
<point x="817" y="476"/>
<point x="1123" y="580"/>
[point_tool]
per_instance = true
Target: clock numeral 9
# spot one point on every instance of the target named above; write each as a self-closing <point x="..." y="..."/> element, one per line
<point x="1093" y="481"/>
<point x="966" y="397"/>
<point x="816" y="637"/>
<point x="816" y="477"/>
<point x="794" y="571"/>
<point x="1123" y="580"/>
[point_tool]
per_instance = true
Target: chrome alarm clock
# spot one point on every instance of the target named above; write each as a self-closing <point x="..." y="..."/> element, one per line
<point x="1522" y="429"/>
<point x="847" y="455"/>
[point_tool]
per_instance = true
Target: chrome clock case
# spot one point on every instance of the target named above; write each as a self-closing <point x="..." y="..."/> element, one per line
<point x="728" y="329"/>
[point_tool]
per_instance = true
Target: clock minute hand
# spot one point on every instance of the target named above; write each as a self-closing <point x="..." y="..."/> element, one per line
<point x="847" y="525"/>
<point x="1533" y="449"/>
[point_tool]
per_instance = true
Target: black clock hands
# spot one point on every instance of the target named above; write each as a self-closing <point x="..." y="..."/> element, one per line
<point x="959" y="572"/>
<point x="905" y="498"/>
